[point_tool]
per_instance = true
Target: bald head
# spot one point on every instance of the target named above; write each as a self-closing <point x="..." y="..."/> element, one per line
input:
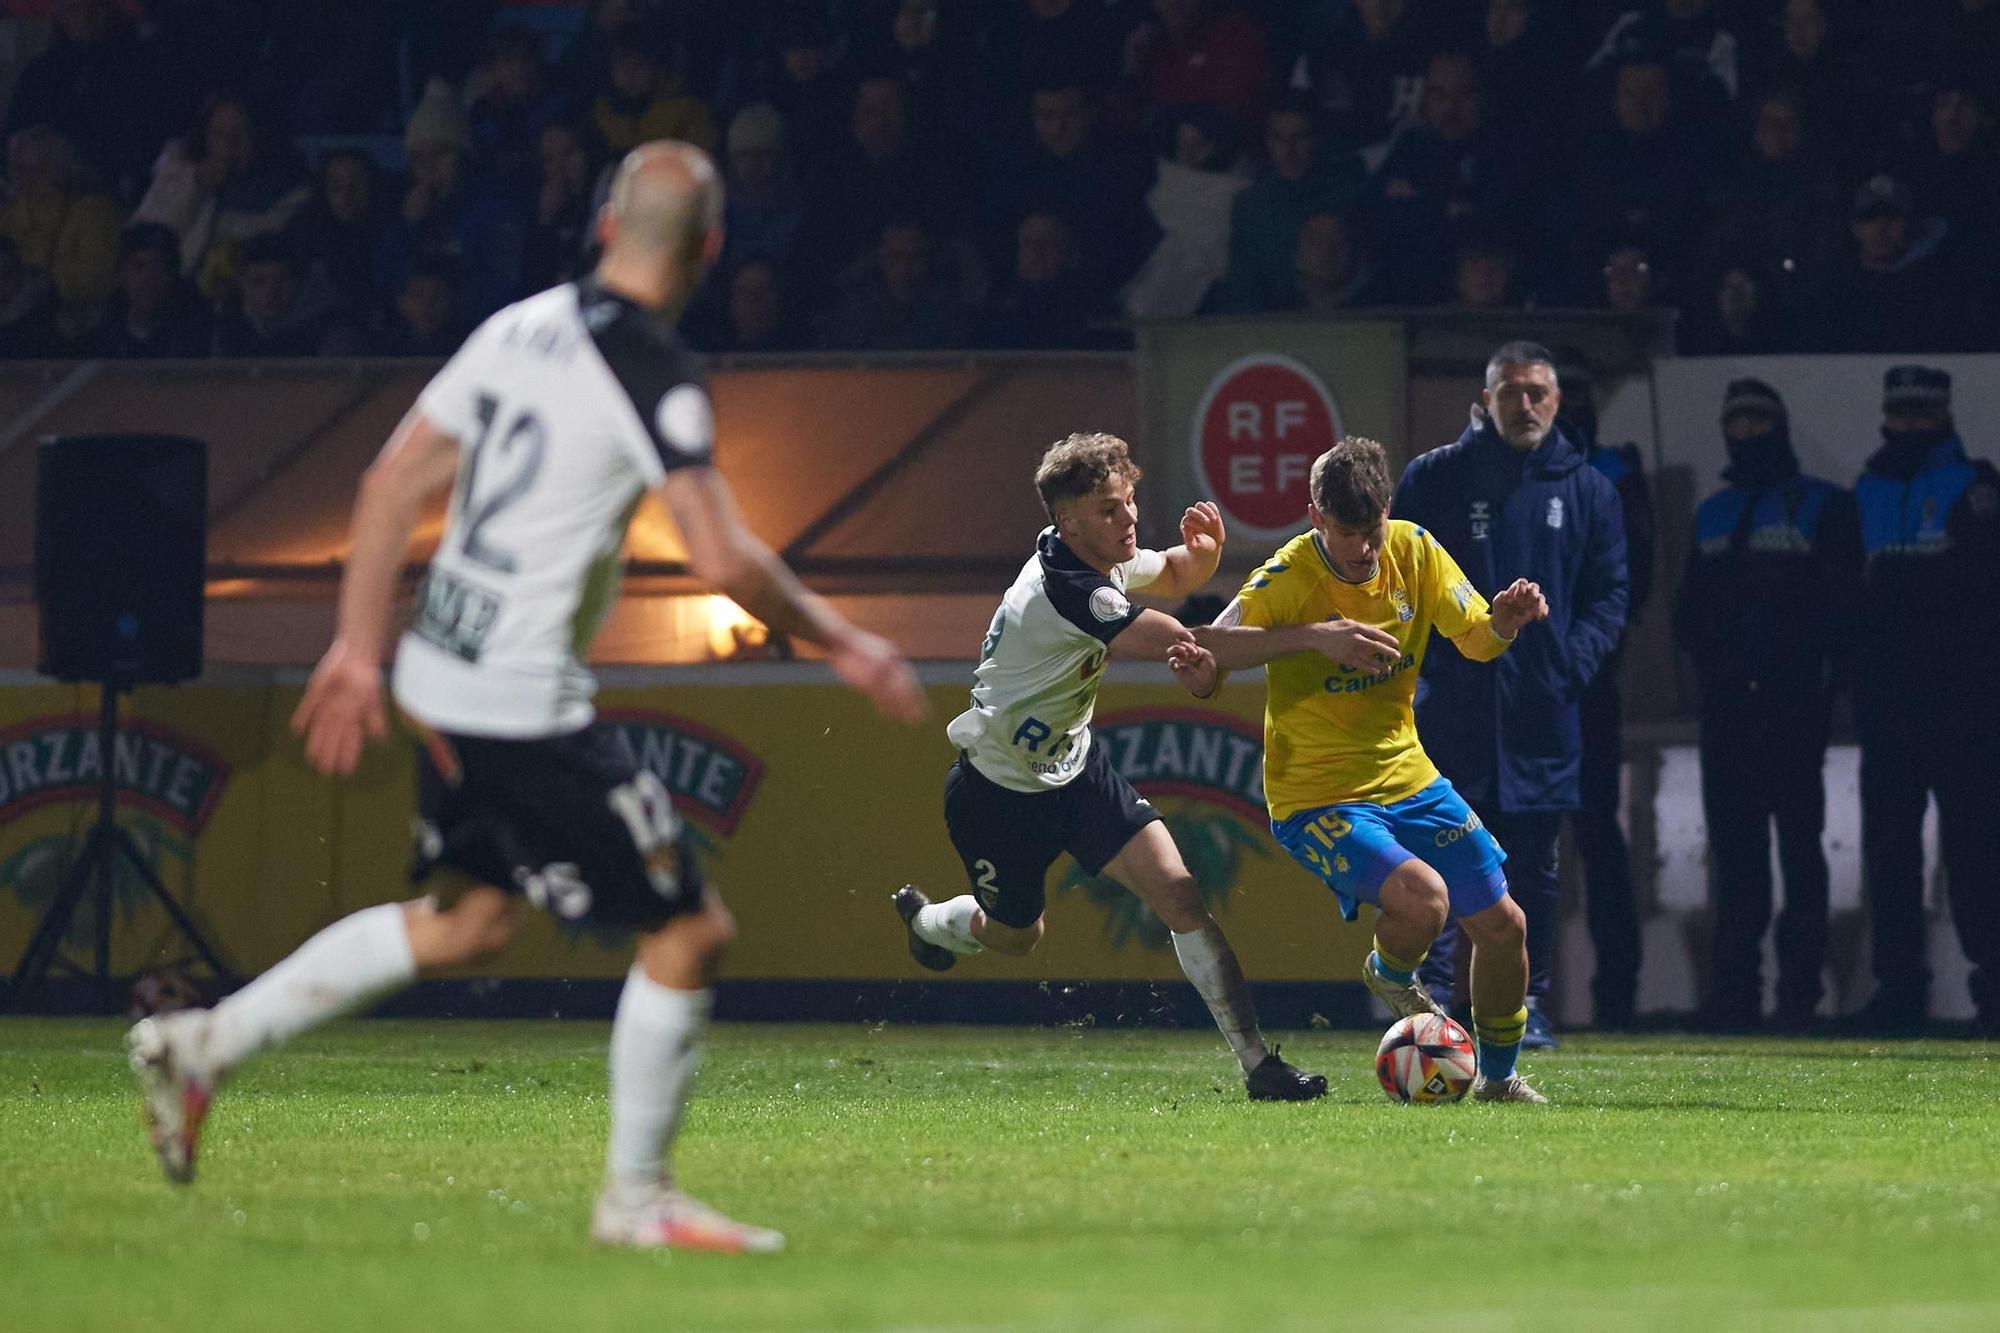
<point x="665" y="200"/>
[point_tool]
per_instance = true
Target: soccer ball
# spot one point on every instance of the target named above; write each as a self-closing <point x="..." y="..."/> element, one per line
<point x="1425" y="1058"/>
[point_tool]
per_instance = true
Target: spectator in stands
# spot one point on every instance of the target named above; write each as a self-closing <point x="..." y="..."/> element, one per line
<point x="1197" y="52"/>
<point x="512" y="101"/>
<point x="272" y="317"/>
<point x="1522" y="66"/>
<point x="1955" y="183"/>
<point x="1826" y="60"/>
<point x="1042" y="304"/>
<point x="932" y="49"/>
<point x="157" y="312"/>
<point x="452" y="213"/>
<point x="1777" y="205"/>
<point x="764" y="209"/>
<point x="1484" y="276"/>
<point x="1641" y="173"/>
<point x="1629" y="281"/>
<point x="1514" y="497"/>
<point x="338" y="233"/>
<point x="566" y="164"/>
<point x="1928" y="715"/>
<point x="1890" y="294"/>
<point x="879" y="175"/>
<point x="424" y="320"/>
<point x="99" y="86"/>
<point x="1194" y="190"/>
<point x="644" y="98"/>
<point x="1068" y="169"/>
<point x="898" y="300"/>
<point x="1363" y="67"/>
<point x="1299" y="177"/>
<point x="1764" y="611"/>
<point x="231" y="179"/>
<point x="1330" y="270"/>
<point x="27" y="307"/>
<point x="760" y="314"/>
<point x="1444" y="174"/>
<point x="1738" y="315"/>
<point x="1610" y="909"/>
<point x="1694" y="35"/>
<point x="64" y="224"/>
<point x="807" y="82"/>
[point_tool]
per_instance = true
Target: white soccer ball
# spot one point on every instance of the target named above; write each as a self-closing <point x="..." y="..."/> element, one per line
<point x="1426" y="1058"/>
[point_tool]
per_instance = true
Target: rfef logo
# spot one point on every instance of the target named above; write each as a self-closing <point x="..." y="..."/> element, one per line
<point x="1260" y="425"/>
<point x="712" y="777"/>
<point x="163" y="772"/>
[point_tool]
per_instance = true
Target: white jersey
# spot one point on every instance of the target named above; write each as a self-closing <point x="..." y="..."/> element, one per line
<point x="1029" y="725"/>
<point x="567" y="407"/>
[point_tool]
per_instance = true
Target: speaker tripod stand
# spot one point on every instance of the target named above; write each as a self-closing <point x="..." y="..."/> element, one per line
<point x="92" y="873"/>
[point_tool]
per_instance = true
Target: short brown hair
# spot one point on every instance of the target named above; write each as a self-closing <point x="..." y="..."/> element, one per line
<point x="1078" y="464"/>
<point x="1350" y="483"/>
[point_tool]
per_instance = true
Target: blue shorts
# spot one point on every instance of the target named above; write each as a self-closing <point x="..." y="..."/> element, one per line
<point x="1355" y="846"/>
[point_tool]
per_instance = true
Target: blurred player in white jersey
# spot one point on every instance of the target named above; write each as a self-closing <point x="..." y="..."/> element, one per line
<point x="550" y="424"/>
<point x="1029" y="785"/>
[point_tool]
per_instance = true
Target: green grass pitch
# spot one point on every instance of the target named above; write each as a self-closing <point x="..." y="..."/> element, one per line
<point x="437" y="1176"/>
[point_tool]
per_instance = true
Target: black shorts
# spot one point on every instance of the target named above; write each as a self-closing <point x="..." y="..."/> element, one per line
<point x="1008" y="838"/>
<point x="570" y="822"/>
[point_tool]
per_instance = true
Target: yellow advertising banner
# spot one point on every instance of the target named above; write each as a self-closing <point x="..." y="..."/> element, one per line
<point x="807" y="810"/>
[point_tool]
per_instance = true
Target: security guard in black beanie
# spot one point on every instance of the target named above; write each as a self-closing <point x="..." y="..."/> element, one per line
<point x="1764" y="611"/>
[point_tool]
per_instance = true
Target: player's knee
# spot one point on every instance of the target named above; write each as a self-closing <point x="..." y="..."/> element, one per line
<point x="1179" y="906"/>
<point x="482" y="922"/>
<point x="1501" y="926"/>
<point x="1017" y="941"/>
<point x="718" y="928"/>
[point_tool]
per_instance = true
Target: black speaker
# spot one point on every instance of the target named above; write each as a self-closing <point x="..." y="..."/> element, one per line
<point x="121" y="542"/>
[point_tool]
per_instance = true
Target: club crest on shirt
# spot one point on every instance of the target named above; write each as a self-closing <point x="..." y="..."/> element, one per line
<point x="1404" y="611"/>
<point x="1109" y="605"/>
<point x="1555" y="519"/>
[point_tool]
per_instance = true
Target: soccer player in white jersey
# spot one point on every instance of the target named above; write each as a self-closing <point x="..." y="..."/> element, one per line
<point x="1029" y="785"/>
<point x="553" y="420"/>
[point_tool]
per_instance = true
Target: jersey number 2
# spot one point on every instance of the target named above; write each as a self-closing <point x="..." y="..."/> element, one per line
<point x="524" y="439"/>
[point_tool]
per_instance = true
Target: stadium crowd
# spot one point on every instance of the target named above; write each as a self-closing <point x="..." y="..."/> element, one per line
<point x="229" y="177"/>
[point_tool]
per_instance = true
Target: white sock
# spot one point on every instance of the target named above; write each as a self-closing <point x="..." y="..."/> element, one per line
<point x="348" y="966"/>
<point x="1211" y="965"/>
<point x="655" y="1049"/>
<point x="949" y="924"/>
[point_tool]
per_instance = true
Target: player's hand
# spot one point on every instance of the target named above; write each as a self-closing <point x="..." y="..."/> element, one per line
<point x="870" y="664"/>
<point x="1201" y="530"/>
<point x="1194" y="667"/>
<point x="342" y="710"/>
<point x="1353" y="644"/>
<point x="1520" y="603"/>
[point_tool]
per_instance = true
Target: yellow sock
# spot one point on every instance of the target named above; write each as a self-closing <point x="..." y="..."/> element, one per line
<point x="1397" y="968"/>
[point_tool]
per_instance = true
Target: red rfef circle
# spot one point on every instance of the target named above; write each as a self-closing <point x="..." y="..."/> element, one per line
<point x="1261" y="423"/>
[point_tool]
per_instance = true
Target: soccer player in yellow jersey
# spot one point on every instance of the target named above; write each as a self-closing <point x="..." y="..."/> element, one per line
<point x="1341" y="617"/>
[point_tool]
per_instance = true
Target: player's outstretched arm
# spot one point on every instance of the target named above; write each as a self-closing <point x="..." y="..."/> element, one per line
<point x="725" y="555"/>
<point x="1347" y="642"/>
<point x="1150" y="635"/>
<point x="342" y="709"/>
<point x="1193" y="562"/>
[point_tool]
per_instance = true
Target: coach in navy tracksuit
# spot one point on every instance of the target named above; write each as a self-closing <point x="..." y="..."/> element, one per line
<point x="1926" y="703"/>
<point x="1514" y="497"/>
<point x="1765" y="610"/>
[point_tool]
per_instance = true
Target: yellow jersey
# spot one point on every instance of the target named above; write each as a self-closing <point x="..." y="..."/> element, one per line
<point x="1332" y="733"/>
